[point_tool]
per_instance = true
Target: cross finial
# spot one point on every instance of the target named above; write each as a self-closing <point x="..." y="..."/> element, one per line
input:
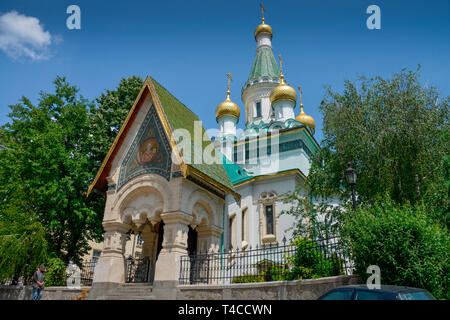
<point x="300" y="91"/>
<point x="281" y="68"/>
<point x="281" y="64"/>
<point x="262" y="11"/>
<point x="229" y="81"/>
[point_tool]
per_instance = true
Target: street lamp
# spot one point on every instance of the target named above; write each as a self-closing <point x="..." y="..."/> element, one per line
<point x="350" y="176"/>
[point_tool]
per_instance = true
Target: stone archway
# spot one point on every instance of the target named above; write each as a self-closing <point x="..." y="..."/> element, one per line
<point x="138" y="207"/>
<point x="141" y="209"/>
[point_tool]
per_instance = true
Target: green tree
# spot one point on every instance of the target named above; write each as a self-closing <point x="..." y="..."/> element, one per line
<point x="394" y="132"/>
<point x="23" y="244"/>
<point x="410" y="248"/>
<point x="52" y="153"/>
<point x="315" y="217"/>
<point x="46" y="167"/>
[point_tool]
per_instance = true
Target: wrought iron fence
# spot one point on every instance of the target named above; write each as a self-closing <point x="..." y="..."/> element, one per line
<point x="138" y="270"/>
<point x="87" y="272"/>
<point x="302" y="259"/>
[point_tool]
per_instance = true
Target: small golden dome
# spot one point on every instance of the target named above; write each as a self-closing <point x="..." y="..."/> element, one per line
<point x="264" y="28"/>
<point x="283" y="92"/>
<point x="305" y="119"/>
<point x="228" y="108"/>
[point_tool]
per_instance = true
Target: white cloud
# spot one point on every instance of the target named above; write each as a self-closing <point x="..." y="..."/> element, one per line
<point x="23" y="36"/>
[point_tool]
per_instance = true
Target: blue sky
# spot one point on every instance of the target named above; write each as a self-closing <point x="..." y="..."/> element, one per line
<point x="189" y="46"/>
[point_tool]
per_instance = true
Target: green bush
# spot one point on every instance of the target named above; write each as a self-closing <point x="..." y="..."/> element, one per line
<point x="56" y="273"/>
<point x="274" y="273"/>
<point x="248" y="278"/>
<point x="308" y="262"/>
<point x="337" y="263"/>
<point x="23" y="246"/>
<point x="409" y="247"/>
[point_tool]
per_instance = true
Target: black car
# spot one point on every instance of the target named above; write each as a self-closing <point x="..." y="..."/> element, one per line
<point x="361" y="292"/>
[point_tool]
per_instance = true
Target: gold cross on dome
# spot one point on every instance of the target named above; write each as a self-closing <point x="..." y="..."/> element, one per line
<point x="300" y="91"/>
<point x="262" y="11"/>
<point x="281" y="64"/>
<point x="229" y="80"/>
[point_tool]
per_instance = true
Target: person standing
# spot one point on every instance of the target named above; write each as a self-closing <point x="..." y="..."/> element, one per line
<point x="38" y="282"/>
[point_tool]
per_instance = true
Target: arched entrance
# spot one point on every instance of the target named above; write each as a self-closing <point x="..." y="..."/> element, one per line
<point x="192" y="242"/>
<point x="192" y="253"/>
<point x="160" y="238"/>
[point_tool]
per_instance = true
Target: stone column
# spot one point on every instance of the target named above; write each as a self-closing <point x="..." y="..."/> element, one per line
<point x="173" y="247"/>
<point x="167" y="270"/>
<point x="110" y="267"/>
<point x="209" y="242"/>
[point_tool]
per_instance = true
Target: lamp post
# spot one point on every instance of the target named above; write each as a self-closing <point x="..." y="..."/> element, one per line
<point x="350" y="176"/>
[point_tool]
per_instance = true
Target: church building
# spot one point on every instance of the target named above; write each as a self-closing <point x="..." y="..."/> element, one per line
<point x="181" y="207"/>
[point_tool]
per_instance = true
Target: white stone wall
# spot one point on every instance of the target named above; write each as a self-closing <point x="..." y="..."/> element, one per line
<point x="258" y="92"/>
<point x="250" y="200"/>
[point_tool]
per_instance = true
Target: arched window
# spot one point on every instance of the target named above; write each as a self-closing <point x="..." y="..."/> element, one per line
<point x="231" y="234"/>
<point x="258" y="109"/>
<point x="269" y="219"/>
<point x="244" y="225"/>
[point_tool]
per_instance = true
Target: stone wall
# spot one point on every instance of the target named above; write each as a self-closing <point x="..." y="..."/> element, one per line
<point x="309" y="289"/>
<point x="49" y="293"/>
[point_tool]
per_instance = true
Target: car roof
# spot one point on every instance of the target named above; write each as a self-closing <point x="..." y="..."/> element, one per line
<point x="389" y="288"/>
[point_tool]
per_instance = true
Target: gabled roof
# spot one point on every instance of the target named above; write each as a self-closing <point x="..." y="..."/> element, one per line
<point x="174" y="115"/>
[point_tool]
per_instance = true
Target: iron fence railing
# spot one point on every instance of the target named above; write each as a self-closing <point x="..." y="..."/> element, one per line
<point x="301" y="259"/>
<point x="87" y="272"/>
<point x="138" y="270"/>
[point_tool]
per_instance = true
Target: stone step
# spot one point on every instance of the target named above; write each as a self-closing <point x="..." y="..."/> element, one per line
<point x="132" y="291"/>
<point x="135" y="290"/>
<point x="129" y="297"/>
<point x="143" y="284"/>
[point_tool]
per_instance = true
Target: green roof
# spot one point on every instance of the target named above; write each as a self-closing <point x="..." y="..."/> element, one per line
<point x="234" y="171"/>
<point x="264" y="65"/>
<point x="181" y="117"/>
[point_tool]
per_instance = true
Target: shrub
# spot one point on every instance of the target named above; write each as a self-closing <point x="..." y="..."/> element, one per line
<point x="275" y="273"/>
<point x="248" y="278"/>
<point x="56" y="273"/>
<point x="23" y="246"/>
<point x="308" y="262"/>
<point x="337" y="264"/>
<point x="408" y="246"/>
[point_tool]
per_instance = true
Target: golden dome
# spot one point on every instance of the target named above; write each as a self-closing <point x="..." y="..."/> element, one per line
<point x="305" y="119"/>
<point x="264" y="28"/>
<point x="283" y="92"/>
<point x="228" y="108"/>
